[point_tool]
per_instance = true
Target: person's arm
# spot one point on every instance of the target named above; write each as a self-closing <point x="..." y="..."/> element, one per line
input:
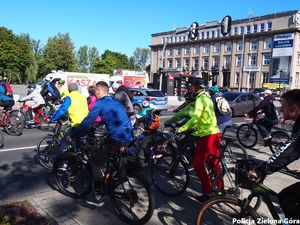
<point x="30" y="96"/>
<point x="196" y="115"/>
<point x="186" y="112"/>
<point x="88" y="120"/>
<point x="284" y="155"/>
<point x="62" y="109"/>
<point x="261" y="106"/>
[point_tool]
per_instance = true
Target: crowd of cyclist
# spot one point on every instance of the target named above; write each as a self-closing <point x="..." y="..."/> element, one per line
<point x="201" y="115"/>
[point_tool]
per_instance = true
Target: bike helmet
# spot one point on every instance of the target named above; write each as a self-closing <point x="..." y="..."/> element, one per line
<point x="62" y="82"/>
<point x="199" y="82"/>
<point x="145" y="104"/>
<point x="151" y="122"/>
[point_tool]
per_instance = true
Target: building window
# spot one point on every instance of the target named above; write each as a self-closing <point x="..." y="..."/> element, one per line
<point x="237" y="78"/>
<point x="213" y="34"/>
<point x="252" y="60"/>
<point x="298" y="60"/>
<point x="238" y="60"/>
<point x="227" y="62"/>
<point x="269" y="27"/>
<point x="254" y="28"/>
<point x="207" y="34"/>
<point x="171" y="52"/>
<point x="268" y="43"/>
<point x="170" y="63"/>
<point x="178" y="63"/>
<point x="163" y="40"/>
<point x="266" y="77"/>
<point x="196" y="64"/>
<point x="252" y="79"/>
<point x="196" y="50"/>
<point x="205" y="63"/>
<point x="253" y="44"/>
<point x="206" y="49"/>
<point x="235" y="30"/>
<point x="179" y="50"/>
<point x="228" y="47"/>
<point x="242" y="30"/>
<point x="217" y="48"/>
<point x="239" y="46"/>
<point x="266" y="59"/>
<point x="218" y="33"/>
<point x="248" y="29"/>
<point x="262" y="27"/>
<point x="177" y="38"/>
<point x="297" y="80"/>
<point x="187" y="64"/>
<point x="215" y="62"/>
<point x="187" y="51"/>
<point x="184" y="38"/>
<point x="202" y="35"/>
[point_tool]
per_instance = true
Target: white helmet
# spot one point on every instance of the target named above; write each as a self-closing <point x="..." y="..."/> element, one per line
<point x="145" y="104"/>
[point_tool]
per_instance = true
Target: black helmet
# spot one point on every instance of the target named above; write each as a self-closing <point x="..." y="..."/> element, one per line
<point x="199" y="82"/>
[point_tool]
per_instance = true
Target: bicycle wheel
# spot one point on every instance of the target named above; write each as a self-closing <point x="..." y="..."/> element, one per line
<point x="1" y="139"/>
<point x="226" y="210"/>
<point x="133" y="200"/>
<point x="45" y="151"/>
<point x="22" y="114"/>
<point x="13" y="125"/>
<point x="247" y="135"/>
<point x="278" y="138"/>
<point x="170" y="175"/>
<point x="233" y="151"/>
<point x="73" y="177"/>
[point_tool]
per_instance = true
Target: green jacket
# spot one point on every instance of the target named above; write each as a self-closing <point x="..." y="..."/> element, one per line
<point x="185" y="113"/>
<point x="203" y="119"/>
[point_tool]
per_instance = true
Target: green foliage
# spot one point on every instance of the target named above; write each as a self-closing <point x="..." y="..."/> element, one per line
<point x="87" y="58"/>
<point x="58" y="54"/>
<point x="140" y="58"/>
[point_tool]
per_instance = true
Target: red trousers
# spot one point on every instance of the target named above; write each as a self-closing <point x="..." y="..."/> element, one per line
<point x="206" y="146"/>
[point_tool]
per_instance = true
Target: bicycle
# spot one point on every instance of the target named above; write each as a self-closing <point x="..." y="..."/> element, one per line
<point x="48" y="145"/>
<point x="247" y="134"/>
<point x="229" y="210"/>
<point x="170" y="173"/>
<point x="12" y="124"/>
<point x="131" y="195"/>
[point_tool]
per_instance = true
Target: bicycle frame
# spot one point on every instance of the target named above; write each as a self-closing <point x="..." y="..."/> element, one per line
<point x="38" y="113"/>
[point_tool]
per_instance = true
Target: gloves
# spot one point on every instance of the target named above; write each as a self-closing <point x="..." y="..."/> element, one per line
<point x="167" y="123"/>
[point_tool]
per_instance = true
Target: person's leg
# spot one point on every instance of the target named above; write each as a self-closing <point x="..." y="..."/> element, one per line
<point x="63" y="145"/>
<point x="224" y="125"/>
<point x="262" y="125"/>
<point x="289" y="199"/>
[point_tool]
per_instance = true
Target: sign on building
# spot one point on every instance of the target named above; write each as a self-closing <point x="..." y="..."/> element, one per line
<point x="251" y="68"/>
<point x="283" y="45"/>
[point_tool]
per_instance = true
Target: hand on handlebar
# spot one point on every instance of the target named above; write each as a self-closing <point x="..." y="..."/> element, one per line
<point x="252" y="175"/>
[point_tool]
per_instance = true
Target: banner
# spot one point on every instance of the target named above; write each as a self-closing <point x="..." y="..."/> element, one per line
<point x="283" y="45"/>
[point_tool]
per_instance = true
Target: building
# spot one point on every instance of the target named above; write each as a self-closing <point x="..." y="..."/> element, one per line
<point x="271" y="56"/>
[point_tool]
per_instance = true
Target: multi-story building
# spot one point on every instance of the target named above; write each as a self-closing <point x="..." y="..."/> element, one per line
<point x="271" y="52"/>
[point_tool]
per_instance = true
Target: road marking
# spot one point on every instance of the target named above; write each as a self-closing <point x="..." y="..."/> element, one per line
<point x="18" y="149"/>
<point x="162" y="117"/>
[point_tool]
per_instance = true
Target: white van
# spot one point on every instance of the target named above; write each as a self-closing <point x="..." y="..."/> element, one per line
<point x="83" y="79"/>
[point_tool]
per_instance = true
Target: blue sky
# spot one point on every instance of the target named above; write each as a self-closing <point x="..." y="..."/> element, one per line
<point x="122" y="25"/>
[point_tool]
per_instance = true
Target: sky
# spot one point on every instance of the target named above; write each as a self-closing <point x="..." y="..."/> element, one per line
<point x="123" y="25"/>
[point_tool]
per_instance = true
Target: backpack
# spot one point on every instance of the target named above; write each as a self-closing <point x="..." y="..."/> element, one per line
<point x="8" y="89"/>
<point x="223" y="106"/>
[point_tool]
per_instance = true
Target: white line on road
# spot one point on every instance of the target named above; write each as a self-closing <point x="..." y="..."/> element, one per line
<point x="18" y="149"/>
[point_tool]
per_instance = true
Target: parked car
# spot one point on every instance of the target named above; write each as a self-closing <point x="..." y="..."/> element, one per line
<point x="240" y="102"/>
<point x="156" y="98"/>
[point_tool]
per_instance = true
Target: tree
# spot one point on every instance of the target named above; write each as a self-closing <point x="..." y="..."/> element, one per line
<point x="93" y="55"/>
<point x="58" y="54"/>
<point x="140" y="58"/>
<point x="82" y="57"/>
<point x="15" y="55"/>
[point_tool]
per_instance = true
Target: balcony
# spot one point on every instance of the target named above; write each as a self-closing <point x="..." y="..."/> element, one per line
<point x="214" y="68"/>
<point x="204" y="68"/>
<point x="227" y="67"/>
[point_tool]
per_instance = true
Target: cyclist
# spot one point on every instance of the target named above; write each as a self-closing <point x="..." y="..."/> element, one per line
<point x="6" y="101"/>
<point x="119" y="130"/>
<point x="34" y="100"/>
<point x="76" y="106"/>
<point x="188" y="99"/>
<point x="203" y="122"/>
<point x="265" y="124"/>
<point x="91" y="100"/>
<point x="289" y="197"/>
<point x="63" y="89"/>
<point x="146" y="108"/>
<point x="50" y="91"/>
<point x="124" y="98"/>
<point x="222" y="120"/>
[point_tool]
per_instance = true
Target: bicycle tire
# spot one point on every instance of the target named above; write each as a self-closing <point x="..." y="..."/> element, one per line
<point x="164" y="178"/>
<point x="247" y="135"/>
<point x="46" y="149"/>
<point x="233" y="151"/>
<point x="131" y="195"/>
<point x="206" y="215"/>
<point x="66" y="170"/>
<point x="20" y="113"/>
<point x="1" y="139"/>
<point x="13" y="125"/>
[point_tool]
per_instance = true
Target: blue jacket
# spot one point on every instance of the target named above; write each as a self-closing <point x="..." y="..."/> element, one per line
<point x="113" y="115"/>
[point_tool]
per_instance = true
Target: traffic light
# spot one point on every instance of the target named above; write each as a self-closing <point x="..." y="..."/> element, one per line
<point x="193" y="34"/>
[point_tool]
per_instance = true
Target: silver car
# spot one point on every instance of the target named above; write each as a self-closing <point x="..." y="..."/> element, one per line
<point x="241" y="102"/>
